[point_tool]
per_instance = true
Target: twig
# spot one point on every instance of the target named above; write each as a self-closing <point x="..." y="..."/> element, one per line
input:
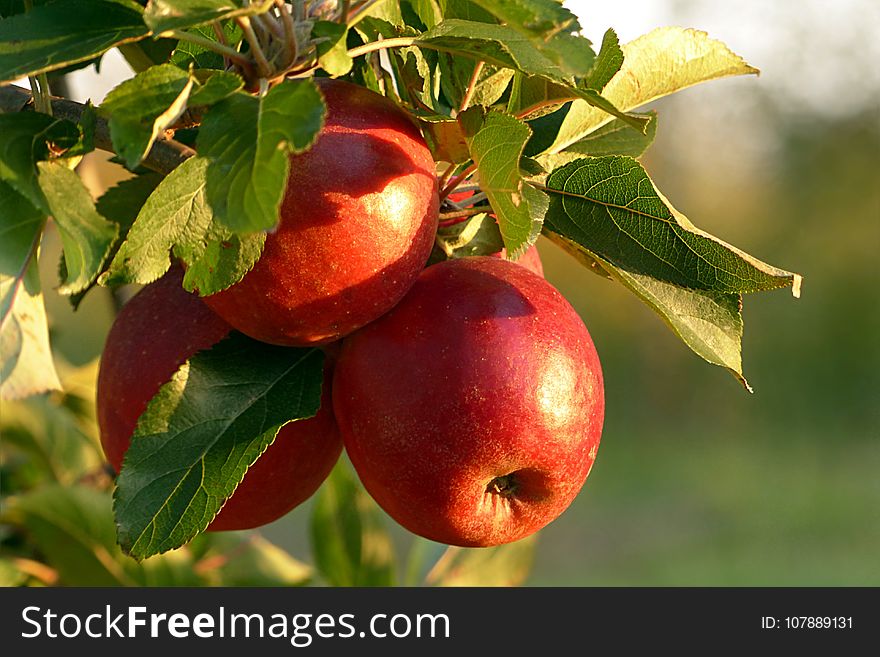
<point x="455" y="182"/>
<point x="397" y="42"/>
<point x="472" y="87"/>
<point x="465" y="212"/>
<point x="165" y="155"/>
<point x="256" y="51"/>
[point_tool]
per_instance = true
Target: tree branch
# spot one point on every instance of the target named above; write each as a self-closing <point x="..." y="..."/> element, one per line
<point x="165" y="155"/>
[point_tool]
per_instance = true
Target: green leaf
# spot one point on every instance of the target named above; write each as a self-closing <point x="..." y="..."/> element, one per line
<point x="72" y="526"/>
<point x="145" y="53"/>
<point x="479" y="235"/>
<point x="10" y="574"/>
<point x="85" y="235"/>
<point x="177" y="218"/>
<point x="657" y="64"/>
<point x="165" y="15"/>
<point x="615" y="138"/>
<point x="26" y="362"/>
<point x="709" y="323"/>
<point x="49" y="434"/>
<point x="350" y="543"/>
<point x="609" y="206"/>
<point x="495" y="44"/>
<point x="142" y="108"/>
<point x="248" y="142"/>
<point x="608" y="62"/>
<point x="332" y="53"/>
<point x="21" y="225"/>
<point x="251" y="560"/>
<point x="217" y="86"/>
<point x="58" y="34"/>
<point x="201" y="433"/>
<point x="504" y="565"/>
<point x="549" y="27"/>
<point x="122" y="202"/>
<point x="496" y="143"/>
<point x="187" y="54"/>
<point x="503" y="46"/>
<point x="29" y="137"/>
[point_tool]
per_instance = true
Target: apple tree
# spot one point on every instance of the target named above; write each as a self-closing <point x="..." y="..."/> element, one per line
<point x="304" y="149"/>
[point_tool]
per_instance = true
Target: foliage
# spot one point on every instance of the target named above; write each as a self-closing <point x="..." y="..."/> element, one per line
<point x="513" y="102"/>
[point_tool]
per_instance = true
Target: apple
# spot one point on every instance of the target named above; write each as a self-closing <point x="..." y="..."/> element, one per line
<point x="154" y="334"/>
<point x="357" y="224"/>
<point x="531" y="260"/>
<point x="473" y="410"/>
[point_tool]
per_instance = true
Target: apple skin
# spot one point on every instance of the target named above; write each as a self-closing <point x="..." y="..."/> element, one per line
<point x="531" y="260"/>
<point x="472" y="411"/>
<point x="357" y="224"/>
<point x="153" y="335"/>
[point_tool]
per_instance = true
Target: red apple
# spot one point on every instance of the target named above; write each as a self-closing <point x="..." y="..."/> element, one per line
<point x="153" y="335"/>
<point x="357" y="224"/>
<point x="472" y="411"/>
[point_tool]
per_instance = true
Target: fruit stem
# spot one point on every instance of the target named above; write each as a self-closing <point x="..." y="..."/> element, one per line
<point x="455" y="182"/>
<point x="289" y="32"/>
<point x="464" y="212"/>
<point x="397" y="42"/>
<point x="505" y="486"/>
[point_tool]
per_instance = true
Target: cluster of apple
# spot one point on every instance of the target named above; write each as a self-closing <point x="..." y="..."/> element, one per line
<point x="468" y="395"/>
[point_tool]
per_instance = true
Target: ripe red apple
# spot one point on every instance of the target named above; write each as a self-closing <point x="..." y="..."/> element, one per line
<point x="155" y="333"/>
<point x="472" y="411"/>
<point x="357" y="224"/>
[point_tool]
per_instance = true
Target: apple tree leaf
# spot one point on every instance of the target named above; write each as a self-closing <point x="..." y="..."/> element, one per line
<point x="505" y="47"/>
<point x="502" y="565"/>
<point x="26" y="363"/>
<point x="202" y="431"/>
<point x="86" y="236"/>
<point x="54" y="35"/>
<point x="550" y="27"/>
<point x="72" y="526"/>
<point x="351" y="544"/>
<point x="187" y="54"/>
<point x="142" y="107"/>
<point x="217" y="86"/>
<point x="608" y="62"/>
<point x="30" y="137"/>
<point x="614" y="138"/>
<point x="609" y="206"/>
<point x="176" y="218"/>
<point x="165" y="15"/>
<point x="496" y="143"/>
<point x="333" y="54"/>
<point x="708" y="322"/>
<point x="657" y="64"/>
<point x="479" y="235"/>
<point x="247" y="142"/>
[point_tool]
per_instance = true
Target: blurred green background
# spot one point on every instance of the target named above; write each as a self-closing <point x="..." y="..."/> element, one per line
<point x="697" y="482"/>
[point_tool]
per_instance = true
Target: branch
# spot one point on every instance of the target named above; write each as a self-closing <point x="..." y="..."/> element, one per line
<point x="165" y="155"/>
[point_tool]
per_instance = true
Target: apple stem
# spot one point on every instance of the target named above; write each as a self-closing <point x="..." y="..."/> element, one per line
<point x="505" y="486"/>
<point x="455" y="182"/>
